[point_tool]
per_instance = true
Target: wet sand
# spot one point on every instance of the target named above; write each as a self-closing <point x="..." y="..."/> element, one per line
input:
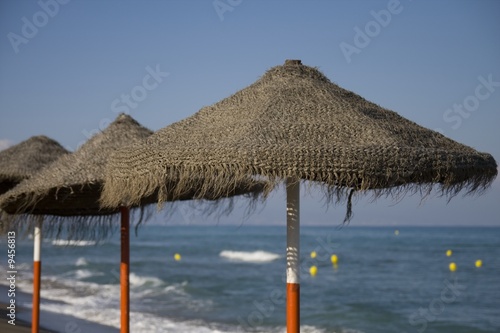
<point x="21" y="325"/>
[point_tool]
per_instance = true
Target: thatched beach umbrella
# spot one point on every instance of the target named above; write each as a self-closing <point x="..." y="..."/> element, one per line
<point x="20" y="162"/>
<point x="68" y="189"/>
<point x="294" y="124"/>
<point x="23" y="160"/>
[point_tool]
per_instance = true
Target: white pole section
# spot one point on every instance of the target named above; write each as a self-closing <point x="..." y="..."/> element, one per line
<point x="37" y="240"/>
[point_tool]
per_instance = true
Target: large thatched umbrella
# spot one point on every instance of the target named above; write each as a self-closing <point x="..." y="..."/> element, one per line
<point x="293" y="124"/>
<point x="20" y="162"/>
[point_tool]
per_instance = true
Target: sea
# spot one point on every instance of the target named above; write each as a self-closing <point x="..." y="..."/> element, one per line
<point x="223" y="278"/>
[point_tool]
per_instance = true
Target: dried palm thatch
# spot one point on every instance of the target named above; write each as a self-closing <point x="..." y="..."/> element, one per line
<point x="67" y="191"/>
<point x="6" y="223"/>
<point x="21" y="161"/>
<point x="69" y="188"/>
<point x="295" y="123"/>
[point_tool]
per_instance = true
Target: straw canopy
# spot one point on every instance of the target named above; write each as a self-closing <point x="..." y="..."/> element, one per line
<point x="71" y="186"/>
<point x="130" y="183"/>
<point x="21" y="161"/>
<point x="295" y="123"/>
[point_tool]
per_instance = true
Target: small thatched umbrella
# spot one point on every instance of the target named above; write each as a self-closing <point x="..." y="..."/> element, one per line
<point x="68" y="189"/>
<point x="23" y="160"/>
<point x="17" y="163"/>
<point x="293" y="124"/>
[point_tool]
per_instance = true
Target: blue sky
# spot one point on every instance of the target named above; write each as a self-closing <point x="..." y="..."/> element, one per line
<point x="67" y="67"/>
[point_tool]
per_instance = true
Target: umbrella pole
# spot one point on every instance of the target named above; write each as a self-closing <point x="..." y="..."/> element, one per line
<point x="37" y="272"/>
<point x="292" y="256"/>
<point x="124" y="269"/>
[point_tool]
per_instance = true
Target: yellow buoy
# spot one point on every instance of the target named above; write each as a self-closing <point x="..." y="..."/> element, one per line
<point x="177" y="257"/>
<point x="313" y="254"/>
<point x="449" y="253"/>
<point x="479" y="263"/>
<point x="313" y="270"/>
<point x="335" y="259"/>
<point x="453" y="266"/>
<point x="396" y="232"/>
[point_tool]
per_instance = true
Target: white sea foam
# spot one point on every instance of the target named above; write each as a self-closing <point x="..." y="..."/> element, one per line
<point x="176" y="288"/>
<point x="101" y="305"/>
<point x="24" y="267"/>
<point x="71" y="242"/>
<point x="97" y="295"/>
<point x="64" y="279"/>
<point x="85" y="273"/>
<point x="138" y="281"/>
<point x="350" y="330"/>
<point x="81" y="262"/>
<point x="148" y="243"/>
<point x="255" y="256"/>
<point x="304" y="329"/>
<point x="139" y="322"/>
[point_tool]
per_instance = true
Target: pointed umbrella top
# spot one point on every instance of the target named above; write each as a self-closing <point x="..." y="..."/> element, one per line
<point x="26" y="158"/>
<point x="294" y="123"/>
<point x="71" y="185"/>
<point x="21" y="161"/>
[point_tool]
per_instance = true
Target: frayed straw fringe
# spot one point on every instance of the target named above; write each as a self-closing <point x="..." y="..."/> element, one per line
<point x="177" y="182"/>
<point x="6" y="223"/>
<point x="60" y="201"/>
<point x="95" y="228"/>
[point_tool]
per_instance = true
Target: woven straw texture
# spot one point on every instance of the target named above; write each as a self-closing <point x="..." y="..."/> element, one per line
<point x="294" y="123"/>
<point x="71" y="186"/>
<point x="21" y="161"/>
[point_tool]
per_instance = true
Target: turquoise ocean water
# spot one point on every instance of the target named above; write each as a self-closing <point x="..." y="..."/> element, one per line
<point x="231" y="279"/>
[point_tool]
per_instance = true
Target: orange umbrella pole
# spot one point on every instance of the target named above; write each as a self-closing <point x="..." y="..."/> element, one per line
<point x="292" y="256"/>
<point x="37" y="272"/>
<point x="124" y="270"/>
